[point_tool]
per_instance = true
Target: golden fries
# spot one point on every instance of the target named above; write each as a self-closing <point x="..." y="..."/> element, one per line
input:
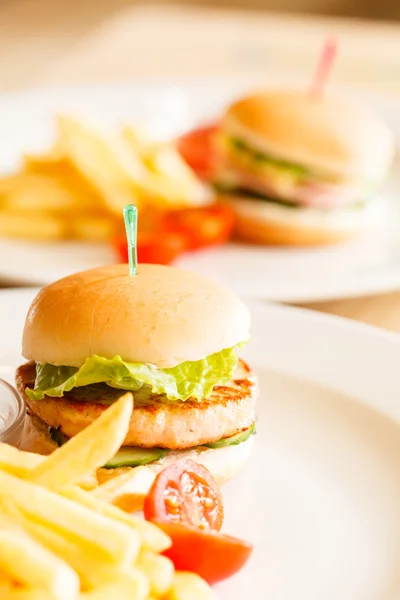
<point x="152" y="537"/>
<point x="6" y="585"/>
<point x="87" y="451"/>
<point x="159" y="571"/>
<point x="27" y="594"/>
<point x="21" y="463"/>
<point x="167" y="180"/>
<point x="60" y="542"/>
<point x="91" y="227"/>
<point x="78" y="187"/>
<point x="28" y="563"/>
<point x="16" y="462"/>
<point x="100" y="161"/>
<point x="188" y="586"/>
<point x="131" y="584"/>
<point x="106" y="539"/>
<point x="93" y="571"/>
<point x="30" y="225"/>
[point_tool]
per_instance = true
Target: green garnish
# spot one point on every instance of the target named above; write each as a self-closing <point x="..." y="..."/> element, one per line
<point x="194" y="379"/>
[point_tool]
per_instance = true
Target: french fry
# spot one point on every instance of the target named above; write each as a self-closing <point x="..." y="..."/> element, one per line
<point x="92" y="571"/>
<point x="39" y="162"/>
<point x="91" y="227"/>
<point x="31" y="225"/>
<point x="159" y="571"/>
<point x="16" y="461"/>
<point x="127" y="490"/>
<point x="8" y="183"/>
<point x="166" y="160"/>
<point x="108" y="540"/>
<point x="30" y="564"/>
<point x="19" y="463"/>
<point x="88" y="450"/>
<point x="168" y="179"/>
<point x="152" y="537"/>
<point x="30" y="594"/>
<point x="188" y="586"/>
<point x="66" y="174"/>
<point x="27" y="594"/>
<point x="162" y="191"/>
<point x="39" y="192"/>
<point x="88" y="482"/>
<point x="131" y="584"/>
<point x="103" y="163"/>
<point x="83" y="194"/>
<point x="6" y="584"/>
<point x="138" y="141"/>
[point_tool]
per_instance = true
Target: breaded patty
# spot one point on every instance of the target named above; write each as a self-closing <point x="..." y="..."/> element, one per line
<point x="156" y="421"/>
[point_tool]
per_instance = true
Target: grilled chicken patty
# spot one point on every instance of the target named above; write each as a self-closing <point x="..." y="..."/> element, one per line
<point x="156" y="421"/>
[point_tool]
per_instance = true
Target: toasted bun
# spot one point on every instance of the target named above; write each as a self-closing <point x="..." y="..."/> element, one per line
<point x="326" y="132"/>
<point x="163" y="316"/>
<point x="223" y="463"/>
<point x="266" y="223"/>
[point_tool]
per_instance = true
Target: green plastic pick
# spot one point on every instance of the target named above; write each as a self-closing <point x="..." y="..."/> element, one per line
<point x="130" y="218"/>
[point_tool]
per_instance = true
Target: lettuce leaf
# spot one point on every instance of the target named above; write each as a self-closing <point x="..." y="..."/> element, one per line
<point x="295" y="169"/>
<point x="189" y="379"/>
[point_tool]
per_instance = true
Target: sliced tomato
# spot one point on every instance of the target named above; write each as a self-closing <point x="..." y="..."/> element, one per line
<point x="158" y="247"/>
<point x="196" y="147"/>
<point x="212" y="555"/>
<point x="185" y="492"/>
<point x="161" y="247"/>
<point x="202" y="226"/>
<point x="121" y="248"/>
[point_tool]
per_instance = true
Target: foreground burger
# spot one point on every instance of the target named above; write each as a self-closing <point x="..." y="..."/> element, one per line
<point x="167" y="335"/>
<point x="301" y="168"/>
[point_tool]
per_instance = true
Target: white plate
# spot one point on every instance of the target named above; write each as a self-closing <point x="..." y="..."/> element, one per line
<point x="321" y="497"/>
<point x="27" y="121"/>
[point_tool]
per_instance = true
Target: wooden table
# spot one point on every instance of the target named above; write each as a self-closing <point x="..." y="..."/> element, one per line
<point x="47" y="43"/>
<point x="382" y="310"/>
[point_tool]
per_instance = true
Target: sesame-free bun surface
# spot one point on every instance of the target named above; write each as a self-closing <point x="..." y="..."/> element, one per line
<point x="163" y="316"/>
<point x="330" y="133"/>
<point x="261" y="222"/>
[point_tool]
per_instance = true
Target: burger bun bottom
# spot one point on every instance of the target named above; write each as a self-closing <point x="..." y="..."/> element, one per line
<point x="263" y="222"/>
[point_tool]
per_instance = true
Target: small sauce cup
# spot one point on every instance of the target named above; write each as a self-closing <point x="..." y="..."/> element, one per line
<point x="12" y="414"/>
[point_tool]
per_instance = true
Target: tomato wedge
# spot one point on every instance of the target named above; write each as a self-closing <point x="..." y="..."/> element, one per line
<point x="185" y="492"/>
<point x="159" y="247"/>
<point x="210" y="554"/>
<point x="196" y="148"/>
<point x="202" y="226"/>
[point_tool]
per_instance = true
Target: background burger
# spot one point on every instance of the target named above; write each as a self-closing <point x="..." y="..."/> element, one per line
<point x="298" y="167"/>
<point x="167" y="335"/>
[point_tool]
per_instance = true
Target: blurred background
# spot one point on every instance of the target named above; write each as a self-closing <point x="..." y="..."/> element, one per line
<point x="49" y="44"/>
<point x="43" y="42"/>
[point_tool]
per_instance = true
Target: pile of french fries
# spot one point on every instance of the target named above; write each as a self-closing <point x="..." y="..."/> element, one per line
<point x="61" y="539"/>
<point x="77" y="190"/>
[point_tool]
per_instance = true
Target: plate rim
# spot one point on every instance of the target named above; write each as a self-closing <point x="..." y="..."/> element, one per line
<point x="287" y="315"/>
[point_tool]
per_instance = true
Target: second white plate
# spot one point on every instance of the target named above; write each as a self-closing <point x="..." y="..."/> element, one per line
<point x="27" y="118"/>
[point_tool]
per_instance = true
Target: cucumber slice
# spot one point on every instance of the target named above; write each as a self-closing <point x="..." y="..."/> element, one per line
<point x="57" y="436"/>
<point x="234" y="440"/>
<point x="133" y="457"/>
<point x="126" y="457"/>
